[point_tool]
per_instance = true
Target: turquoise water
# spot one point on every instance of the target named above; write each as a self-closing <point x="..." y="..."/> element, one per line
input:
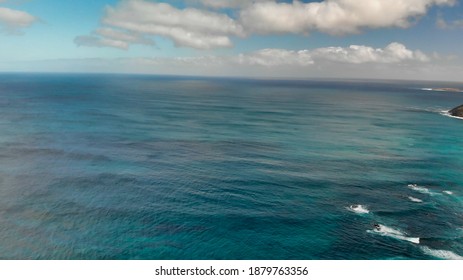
<point x="143" y="167"/>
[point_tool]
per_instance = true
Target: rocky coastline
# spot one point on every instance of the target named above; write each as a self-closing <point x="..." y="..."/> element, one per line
<point x="457" y="111"/>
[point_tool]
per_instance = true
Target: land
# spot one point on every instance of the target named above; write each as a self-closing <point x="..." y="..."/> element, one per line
<point x="448" y="89"/>
<point x="457" y="112"/>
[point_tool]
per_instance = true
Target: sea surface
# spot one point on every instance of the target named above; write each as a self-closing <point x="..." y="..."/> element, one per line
<point x="153" y="167"/>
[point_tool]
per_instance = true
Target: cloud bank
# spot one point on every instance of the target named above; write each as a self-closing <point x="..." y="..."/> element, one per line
<point x="209" y="27"/>
<point x="394" y="53"/>
<point x="220" y="4"/>
<point x="333" y="16"/>
<point x="394" y="61"/>
<point x="189" y="27"/>
<point x="279" y="60"/>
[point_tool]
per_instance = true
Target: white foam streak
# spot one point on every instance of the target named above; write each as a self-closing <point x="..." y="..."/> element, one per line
<point x="414" y="199"/>
<point x="394" y="233"/>
<point x="441" y="254"/>
<point x="359" y="209"/>
<point x="419" y="189"/>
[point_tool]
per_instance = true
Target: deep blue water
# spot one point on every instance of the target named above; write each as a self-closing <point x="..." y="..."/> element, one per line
<point x="146" y="167"/>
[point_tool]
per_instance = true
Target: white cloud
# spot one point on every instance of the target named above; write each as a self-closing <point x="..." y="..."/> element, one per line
<point x="333" y="16"/>
<point x="276" y="57"/>
<point x="109" y="37"/>
<point x="205" y="29"/>
<point x="95" y="41"/>
<point x="443" y="24"/>
<point x="392" y="53"/>
<point x="391" y="62"/>
<point x="123" y="36"/>
<point x="187" y="27"/>
<point x="218" y="4"/>
<point x="13" y="21"/>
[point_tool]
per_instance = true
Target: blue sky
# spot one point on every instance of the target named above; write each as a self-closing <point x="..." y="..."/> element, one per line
<point x="419" y="39"/>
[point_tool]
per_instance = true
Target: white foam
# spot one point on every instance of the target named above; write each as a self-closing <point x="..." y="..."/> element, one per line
<point x="427" y="89"/>
<point x="414" y="199"/>
<point x="389" y="230"/>
<point x="441" y="254"/>
<point x="394" y="233"/>
<point x="448" y="192"/>
<point x="420" y="189"/>
<point x="359" y="209"/>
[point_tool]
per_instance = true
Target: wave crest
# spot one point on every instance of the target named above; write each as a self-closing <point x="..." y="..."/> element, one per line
<point x="394" y="233"/>
<point x="359" y="209"/>
<point x="441" y="254"/>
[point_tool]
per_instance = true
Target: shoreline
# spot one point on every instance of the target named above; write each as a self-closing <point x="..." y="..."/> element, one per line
<point x="447" y="114"/>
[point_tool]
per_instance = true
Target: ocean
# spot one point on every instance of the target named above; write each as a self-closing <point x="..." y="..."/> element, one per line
<point x="181" y="168"/>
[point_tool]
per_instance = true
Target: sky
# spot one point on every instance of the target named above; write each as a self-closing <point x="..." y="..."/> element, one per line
<point x="364" y="39"/>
